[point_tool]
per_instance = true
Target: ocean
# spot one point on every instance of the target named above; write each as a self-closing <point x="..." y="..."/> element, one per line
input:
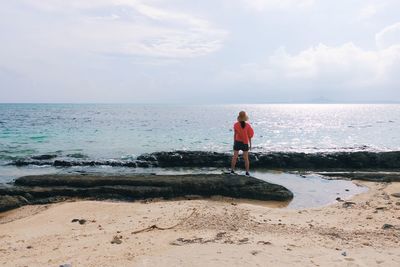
<point x="119" y="131"/>
<point x="125" y="131"/>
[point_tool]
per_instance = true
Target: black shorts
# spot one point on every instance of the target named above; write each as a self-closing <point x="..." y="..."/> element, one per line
<point x="240" y="146"/>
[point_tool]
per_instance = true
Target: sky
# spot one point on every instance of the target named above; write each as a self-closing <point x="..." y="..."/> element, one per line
<point x="209" y="51"/>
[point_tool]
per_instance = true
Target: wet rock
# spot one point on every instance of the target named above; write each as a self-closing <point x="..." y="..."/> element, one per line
<point x="74" y="220"/>
<point x="63" y="163"/>
<point x="53" y="188"/>
<point x="293" y="160"/>
<point x="28" y="196"/>
<point x="82" y="221"/>
<point x="24" y="162"/>
<point x="143" y="164"/>
<point x="282" y="160"/>
<point x="147" y="157"/>
<point x="8" y="202"/>
<point x="46" y="200"/>
<point x="113" y="163"/>
<point x="44" y="157"/>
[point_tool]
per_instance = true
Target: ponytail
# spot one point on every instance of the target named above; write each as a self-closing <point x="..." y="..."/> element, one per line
<point x="243" y="124"/>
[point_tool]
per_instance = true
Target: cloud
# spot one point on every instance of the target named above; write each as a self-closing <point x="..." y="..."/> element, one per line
<point x="389" y="36"/>
<point x="261" y="5"/>
<point x="137" y="50"/>
<point x="128" y="27"/>
<point x="367" y="12"/>
<point x="343" y="66"/>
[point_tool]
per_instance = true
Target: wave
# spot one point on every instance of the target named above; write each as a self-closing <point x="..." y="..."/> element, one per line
<point x="272" y="160"/>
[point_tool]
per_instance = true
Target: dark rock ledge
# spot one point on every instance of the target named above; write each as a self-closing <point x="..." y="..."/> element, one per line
<point x="43" y="189"/>
<point x="361" y="160"/>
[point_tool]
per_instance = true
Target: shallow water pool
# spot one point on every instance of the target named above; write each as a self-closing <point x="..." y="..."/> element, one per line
<point x="309" y="191"/>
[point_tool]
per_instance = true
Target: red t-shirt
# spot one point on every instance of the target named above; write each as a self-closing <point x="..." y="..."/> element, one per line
<point x="243" y="134"/>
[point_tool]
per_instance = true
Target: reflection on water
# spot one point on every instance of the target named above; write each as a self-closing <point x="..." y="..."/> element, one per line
<point x="312" y="190"/>
<point x="309" y="191"/>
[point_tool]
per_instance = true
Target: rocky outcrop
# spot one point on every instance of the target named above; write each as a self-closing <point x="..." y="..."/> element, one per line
<point x="44" y="157"/>
<point x="11" y="202"/>
<point x="51" y="188"/>
<point x="71" y="163"/>
<point x="360" y="160"/>
<point x="280" y="160"/>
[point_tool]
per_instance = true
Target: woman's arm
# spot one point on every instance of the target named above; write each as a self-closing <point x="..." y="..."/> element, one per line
<point x="250" y="133"/>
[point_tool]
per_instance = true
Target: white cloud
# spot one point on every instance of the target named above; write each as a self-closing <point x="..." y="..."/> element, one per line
<point x="141" y="47"/>
<point x="389" y="36"/>
<point x="367" y="12"/>
<point x="261" y="5"/>
<point x="344" y="66"/>
<point x="142" y="30"/>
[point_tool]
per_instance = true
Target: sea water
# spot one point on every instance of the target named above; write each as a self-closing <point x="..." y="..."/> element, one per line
<point x="124" y="131"/>
<point x="115" y="131"/>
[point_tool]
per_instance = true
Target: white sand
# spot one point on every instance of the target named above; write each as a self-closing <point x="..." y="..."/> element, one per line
<point x="217" y="233"/>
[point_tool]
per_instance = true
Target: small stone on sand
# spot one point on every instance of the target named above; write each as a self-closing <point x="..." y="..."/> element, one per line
<point x="387" y="226"/>
<point x="116" y="240"/>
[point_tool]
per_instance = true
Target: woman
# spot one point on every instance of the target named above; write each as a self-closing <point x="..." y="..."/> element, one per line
<point x="242" y="141"/>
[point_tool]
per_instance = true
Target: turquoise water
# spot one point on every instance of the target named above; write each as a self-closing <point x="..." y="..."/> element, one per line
<point x="124" y="131"/>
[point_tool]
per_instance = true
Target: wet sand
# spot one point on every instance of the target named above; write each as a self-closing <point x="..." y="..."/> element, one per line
<point x="205" y="233"/>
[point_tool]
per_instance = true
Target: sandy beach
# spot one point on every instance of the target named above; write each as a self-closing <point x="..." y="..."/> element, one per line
<point x="199" y="133"/>
<point x="205" y="233"/>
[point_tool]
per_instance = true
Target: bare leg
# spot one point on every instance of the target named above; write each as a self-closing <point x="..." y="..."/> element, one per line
<point x="234" y="159"/>
<point x="246" y="160"/>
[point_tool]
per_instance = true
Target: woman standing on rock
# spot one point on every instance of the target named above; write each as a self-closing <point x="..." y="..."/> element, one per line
<point x="243" y="132"/>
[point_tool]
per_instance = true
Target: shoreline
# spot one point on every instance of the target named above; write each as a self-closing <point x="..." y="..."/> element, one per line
<point x="217" y="233"/>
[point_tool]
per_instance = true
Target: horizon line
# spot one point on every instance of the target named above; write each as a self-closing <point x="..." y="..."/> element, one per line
<point x="214" y="103"/>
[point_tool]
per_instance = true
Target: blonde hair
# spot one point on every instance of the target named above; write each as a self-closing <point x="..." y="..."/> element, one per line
<point x="242" y="116"/>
